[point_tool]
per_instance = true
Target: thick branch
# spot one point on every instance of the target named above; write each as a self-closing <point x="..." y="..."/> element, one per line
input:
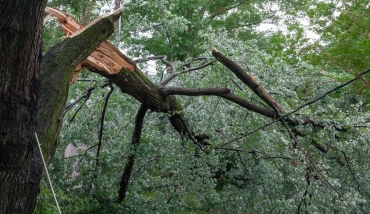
<point x="56" y="74"/>
<point x="248" y="105"/>
<point x="130" y="159"/>
<point x="248" y="79"/>
<point x="164" y="92"/>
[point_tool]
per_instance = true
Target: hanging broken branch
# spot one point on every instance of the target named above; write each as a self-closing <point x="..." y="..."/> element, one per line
<point x="164" y="92"/>
<point x="105" y="57"/>
<point x="249" y="80"/>
<point x="109" y="62"/>
<point x="135" y="140"/>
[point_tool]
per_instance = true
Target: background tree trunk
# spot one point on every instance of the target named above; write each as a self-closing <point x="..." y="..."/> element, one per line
<point x="20" y="56"/>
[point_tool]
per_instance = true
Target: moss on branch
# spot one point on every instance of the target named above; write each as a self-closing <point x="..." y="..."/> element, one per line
<point x="56" y="73"/>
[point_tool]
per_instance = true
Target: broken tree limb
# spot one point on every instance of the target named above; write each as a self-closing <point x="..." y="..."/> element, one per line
<point x="105" y="57"/>
<point x="249" y="80"/>
<point x="108" y="61"/>
<point x="55" y="76"/>
<point x="166" y="91"/>
<point x="136" y="136"/>
<point x="68" y="23"/>
<point x="248" y="105"/>
<point x="133" y="82"/>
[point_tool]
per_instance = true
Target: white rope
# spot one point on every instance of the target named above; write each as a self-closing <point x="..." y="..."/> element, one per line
<point x="47" y="174"/>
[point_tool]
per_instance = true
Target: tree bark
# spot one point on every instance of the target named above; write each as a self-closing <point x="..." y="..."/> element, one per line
<point x="20" y="56"/>
<point x="249" y="80"/>
<point x="33" y="93"/>
<point x="57" y="67"/>
<point x="136" y="136"/>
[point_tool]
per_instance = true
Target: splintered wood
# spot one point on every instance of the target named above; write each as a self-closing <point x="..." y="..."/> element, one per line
<point x="105" y="57"/>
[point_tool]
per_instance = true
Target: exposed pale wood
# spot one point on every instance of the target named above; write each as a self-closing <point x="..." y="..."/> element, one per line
<point x="76" y="72"/>
<point x="105" y="57"/>
<point x="123" y="59"/>
<point x="47" y="18"/>
<point x="56" y="69"/>
<point x="68" y="23"/>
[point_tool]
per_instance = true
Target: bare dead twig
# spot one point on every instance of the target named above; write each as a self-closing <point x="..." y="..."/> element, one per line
<point x="236" y="84"/>
<point x="101" y="132"/>
<point x="84" y="155"/>
<point x="175" y="74"/>
<point x="198" y="67"/>
<point x="193" y="60"/>
<point x="230" y="149"/>
<point x="86" y="96"/>
<point x="303" y="200"/>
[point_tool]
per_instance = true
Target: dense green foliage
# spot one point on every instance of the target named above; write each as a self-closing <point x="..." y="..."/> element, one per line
<point x="262" y="172"/>
<point x="343" y="47"/>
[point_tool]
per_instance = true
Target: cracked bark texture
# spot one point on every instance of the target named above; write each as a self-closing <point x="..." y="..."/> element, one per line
<point x="33" y="93"/>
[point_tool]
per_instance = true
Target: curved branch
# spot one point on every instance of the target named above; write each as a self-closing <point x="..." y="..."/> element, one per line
<point x="193" y="60"/>
<point x="86" y="96"/>
<point x="163" y="58"/>
<point x="186" y="128"/>
<point x="199" y="67"/>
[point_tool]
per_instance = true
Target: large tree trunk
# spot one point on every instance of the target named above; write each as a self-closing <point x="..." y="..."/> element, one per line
<point x="20" y="56"/>
<point x="33" y="93"/>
